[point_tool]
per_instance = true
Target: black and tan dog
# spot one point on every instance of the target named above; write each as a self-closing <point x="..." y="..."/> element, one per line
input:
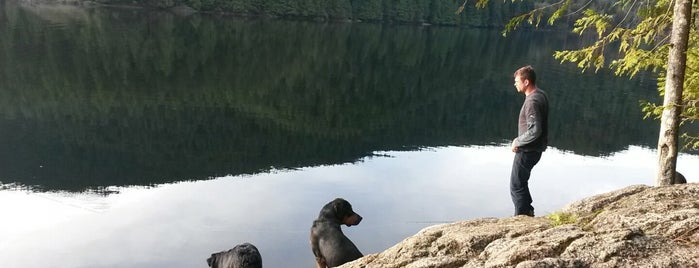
<point x="241" y="256"/>
<point x="330" y="246"/>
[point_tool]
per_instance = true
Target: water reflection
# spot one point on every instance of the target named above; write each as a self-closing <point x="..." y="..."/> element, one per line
<point x="180" y="224"/>
<point x="101" y="97"/>
<point x="111" y="120"/>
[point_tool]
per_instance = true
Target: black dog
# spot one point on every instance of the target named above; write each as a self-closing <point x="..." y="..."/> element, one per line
<point x="679" y="178"/>
<point x="330" y="246"/>
<point x="241" y="256"/>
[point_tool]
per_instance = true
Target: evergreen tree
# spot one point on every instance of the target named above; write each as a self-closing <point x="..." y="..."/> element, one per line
<point x="647" y="35"/>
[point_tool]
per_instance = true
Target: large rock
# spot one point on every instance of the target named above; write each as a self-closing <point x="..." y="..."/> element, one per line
<point x="638" y="226"/>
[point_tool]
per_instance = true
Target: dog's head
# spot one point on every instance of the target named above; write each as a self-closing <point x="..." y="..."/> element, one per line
<point x="213" y="260"/>
<point x="341" y="210"/>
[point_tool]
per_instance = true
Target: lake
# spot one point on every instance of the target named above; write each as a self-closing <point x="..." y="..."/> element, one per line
<point x="133" y="138"/>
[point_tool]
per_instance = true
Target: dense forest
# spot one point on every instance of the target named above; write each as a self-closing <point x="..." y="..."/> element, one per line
<point x="438" y="12"/>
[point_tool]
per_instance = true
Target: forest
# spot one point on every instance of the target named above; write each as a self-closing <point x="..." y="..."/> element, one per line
<point x="436" y="12"/>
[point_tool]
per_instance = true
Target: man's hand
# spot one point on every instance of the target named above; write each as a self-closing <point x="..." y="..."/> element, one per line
<point x="514" y="145"/>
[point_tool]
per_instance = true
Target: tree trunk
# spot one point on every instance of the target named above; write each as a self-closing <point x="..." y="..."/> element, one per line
<point x="672" y="103"/>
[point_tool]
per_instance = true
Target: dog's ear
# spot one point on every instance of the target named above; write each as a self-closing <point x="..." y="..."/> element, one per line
<point x="211" y="261"/>
<point x="342" y="208"/>
<point x="336" y="207"/>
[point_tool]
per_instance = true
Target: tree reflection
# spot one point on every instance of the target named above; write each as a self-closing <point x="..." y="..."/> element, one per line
<point x="111" y="97"/>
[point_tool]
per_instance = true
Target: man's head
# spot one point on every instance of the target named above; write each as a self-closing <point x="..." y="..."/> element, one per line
<point x="525" y="79"/>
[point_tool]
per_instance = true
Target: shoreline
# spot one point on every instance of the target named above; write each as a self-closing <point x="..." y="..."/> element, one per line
<point x="637" y="226"/>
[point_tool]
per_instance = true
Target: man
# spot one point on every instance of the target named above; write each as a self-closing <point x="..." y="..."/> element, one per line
<point x="532" y="139"/>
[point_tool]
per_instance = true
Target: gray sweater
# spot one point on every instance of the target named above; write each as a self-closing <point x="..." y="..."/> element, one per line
<point x="533" y="127"/>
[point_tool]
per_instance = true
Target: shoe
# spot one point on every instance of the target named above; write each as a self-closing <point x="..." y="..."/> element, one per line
<point x="529" y="213"/>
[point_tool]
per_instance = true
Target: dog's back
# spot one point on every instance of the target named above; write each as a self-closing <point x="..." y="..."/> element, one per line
<point x="241" y="256"/>
<point x="679" y="178"/>
<point x="333" y="245"/>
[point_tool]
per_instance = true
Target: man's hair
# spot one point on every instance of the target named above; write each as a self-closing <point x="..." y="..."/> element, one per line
<point x="527" y="73"/>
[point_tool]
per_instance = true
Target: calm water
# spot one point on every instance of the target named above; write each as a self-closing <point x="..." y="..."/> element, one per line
<point x="141" y="139"/>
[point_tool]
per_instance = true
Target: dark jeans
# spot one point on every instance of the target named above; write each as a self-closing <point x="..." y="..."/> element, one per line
<point x="519" y="181"/>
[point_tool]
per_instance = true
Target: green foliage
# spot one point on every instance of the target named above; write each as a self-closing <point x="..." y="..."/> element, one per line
<point x="561" y="218"/>
<point x="495" y="14"/>
<point x="559" y="12"/>
<point x="585" y="57"/>
<point x="535" y="16"/>
<point x="601" y="22"/>
<point x="633" y="34"/>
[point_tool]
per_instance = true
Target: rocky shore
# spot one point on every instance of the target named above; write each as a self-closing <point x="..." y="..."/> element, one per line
<point x="638" y="226"/>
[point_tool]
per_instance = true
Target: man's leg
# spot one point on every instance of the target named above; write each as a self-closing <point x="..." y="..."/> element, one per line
<point x="519" y="181"/>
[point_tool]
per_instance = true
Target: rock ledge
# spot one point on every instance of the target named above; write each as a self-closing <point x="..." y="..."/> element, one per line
<point x="637" y="226"/>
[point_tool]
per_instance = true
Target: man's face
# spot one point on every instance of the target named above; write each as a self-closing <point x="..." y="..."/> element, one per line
<point x="520" y="83"/>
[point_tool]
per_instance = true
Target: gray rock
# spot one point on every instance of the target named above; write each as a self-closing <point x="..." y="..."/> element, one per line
<point x="637" y="226"/>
